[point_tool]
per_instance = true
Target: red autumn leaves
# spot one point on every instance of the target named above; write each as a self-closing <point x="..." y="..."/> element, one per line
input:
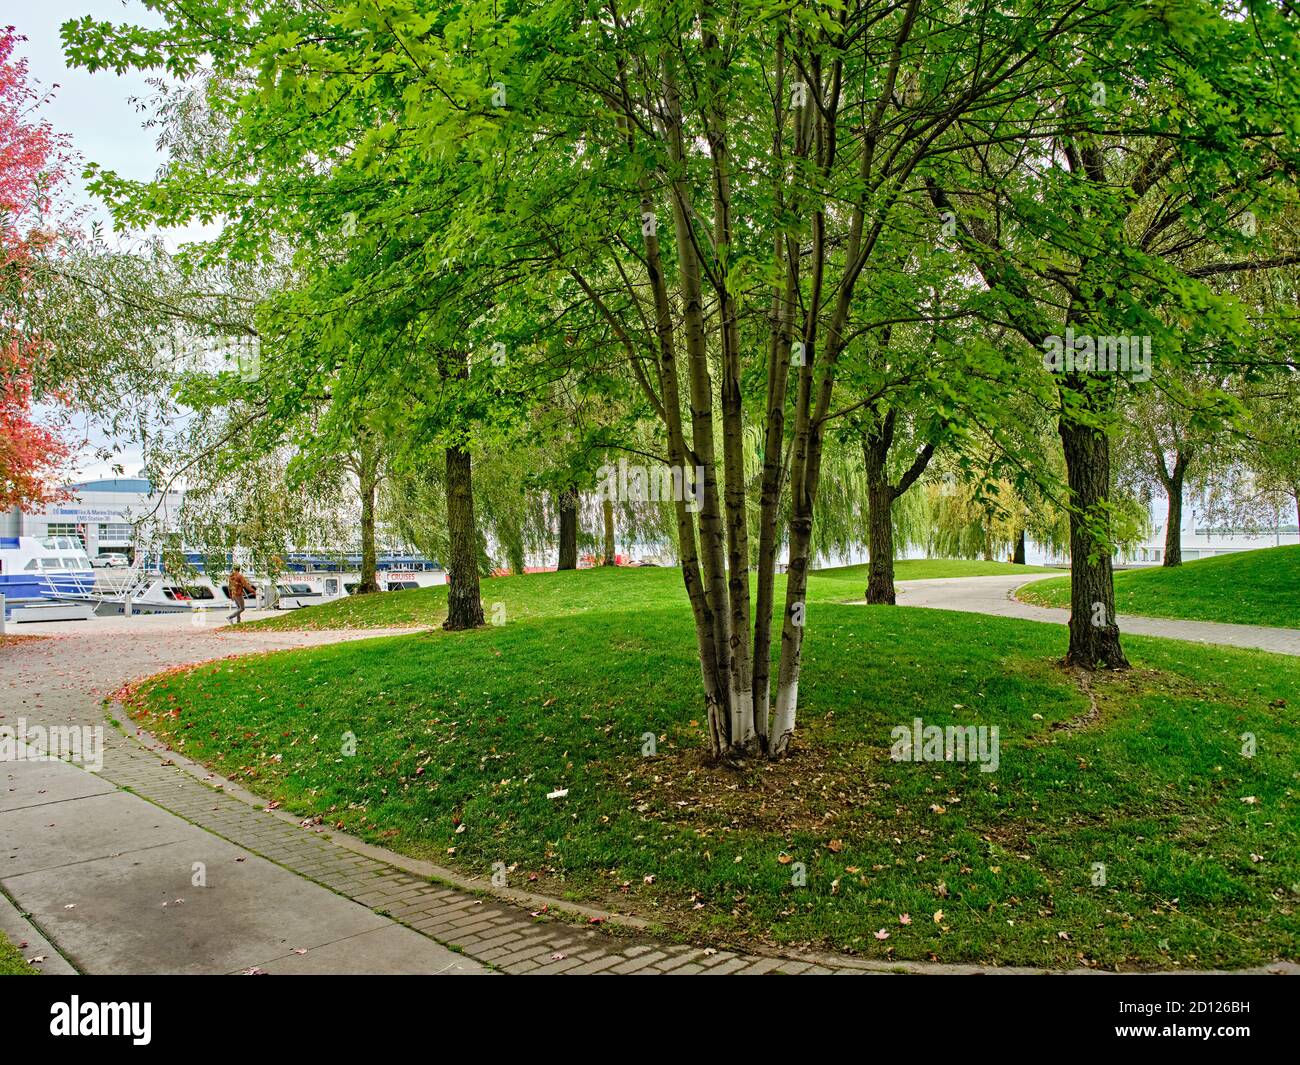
<point x="32" y="166"/>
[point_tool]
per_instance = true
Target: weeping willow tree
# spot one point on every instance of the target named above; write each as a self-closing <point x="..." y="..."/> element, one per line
<point x="413" y="506"/>
<point x="257" y="514"/>
<point x="839" y="528"/>
<point x="841" y="516"/>
<point x="973" y="518"/>
<point x="518" y="509"/>
<point x="980" y="510"/>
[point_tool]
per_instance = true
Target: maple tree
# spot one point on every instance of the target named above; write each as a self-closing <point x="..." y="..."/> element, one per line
<point x="33" y="158"/>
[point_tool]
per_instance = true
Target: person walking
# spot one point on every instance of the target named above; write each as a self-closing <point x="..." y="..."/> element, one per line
<point x="239" y="587"/>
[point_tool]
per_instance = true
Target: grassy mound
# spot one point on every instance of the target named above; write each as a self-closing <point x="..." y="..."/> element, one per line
<point x="1246" y="588"/>
<point x="1123" y="827"/>
<point x="599" y="589"/>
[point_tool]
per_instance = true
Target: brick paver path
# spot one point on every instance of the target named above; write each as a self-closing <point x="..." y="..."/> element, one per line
<point x="64" y="678"/>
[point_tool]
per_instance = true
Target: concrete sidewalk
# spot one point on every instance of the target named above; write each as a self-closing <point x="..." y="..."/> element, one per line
<point x="119" y="885"/>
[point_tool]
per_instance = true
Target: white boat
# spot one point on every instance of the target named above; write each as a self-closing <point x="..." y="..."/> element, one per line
<point x="44" y="578"/>
<point x="154" y="593"/>
<point x="310" y="589"/>
<point x="38" y="575"/>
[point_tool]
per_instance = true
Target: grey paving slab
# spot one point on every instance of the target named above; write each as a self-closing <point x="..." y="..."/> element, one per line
<point x="80" y="830"/>
<point x="140" y="912"/>
<point x="389" y="951"/>
<point x="25" y="784"/>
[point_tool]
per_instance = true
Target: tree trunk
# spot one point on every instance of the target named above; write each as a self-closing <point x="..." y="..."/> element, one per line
<point x="713" y="677"/>
<point x="713" y="540"/>
<point x="1174" y="522"/>
<point x="464" y="607"/>
<point x="369" y="580"/>
<point x="514" y="548"/>
<point x="792" y="630"/>
<point x="1019" y="557"/>
<point x="778" y="377"/>
<point x="880" y="503"/>
<point x="568" y="529"/>
<point x="1094" y="632"/>
<point x="880" y="540"/>
<point x="609" y="532"/>
<point x="880" y="521"/>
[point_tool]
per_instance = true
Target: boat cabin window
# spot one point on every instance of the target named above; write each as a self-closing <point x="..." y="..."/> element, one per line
<point x="70" y="563"/>
<point x="199" y="592"/>
<point x="33" y="564"/>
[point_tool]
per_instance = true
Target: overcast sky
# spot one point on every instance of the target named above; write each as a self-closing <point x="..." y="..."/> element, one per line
<point x="94" y="109"/>
<point x="98" y="111"/>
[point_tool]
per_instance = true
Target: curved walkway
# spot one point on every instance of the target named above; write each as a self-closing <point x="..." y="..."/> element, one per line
<point x="155" y="865"/>
<point x="996" y="595"/>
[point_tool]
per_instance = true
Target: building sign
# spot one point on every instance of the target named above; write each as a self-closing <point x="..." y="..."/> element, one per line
<point x="88" y="513"/>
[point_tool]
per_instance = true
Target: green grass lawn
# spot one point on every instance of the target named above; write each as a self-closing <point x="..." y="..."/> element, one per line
<point x="459" y="738"/>
<point x="12" y="962"/>
<point x="1246" y="588"/>
<point x="600" y="590"/>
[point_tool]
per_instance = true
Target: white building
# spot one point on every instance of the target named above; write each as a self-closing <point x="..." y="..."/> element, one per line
<point x="1202" y="540"/>
<point x="99" y="513"/>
